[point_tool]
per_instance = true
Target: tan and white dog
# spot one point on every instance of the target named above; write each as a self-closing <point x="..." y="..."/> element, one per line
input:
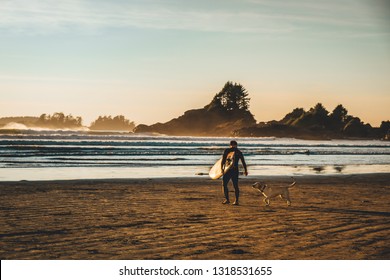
<point x="274" y="191"/>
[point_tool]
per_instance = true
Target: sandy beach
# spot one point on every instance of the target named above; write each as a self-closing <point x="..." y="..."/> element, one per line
<point x="331" y="217"/>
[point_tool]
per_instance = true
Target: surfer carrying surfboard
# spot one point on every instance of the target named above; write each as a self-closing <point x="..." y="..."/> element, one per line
<point x="230" y="159"/>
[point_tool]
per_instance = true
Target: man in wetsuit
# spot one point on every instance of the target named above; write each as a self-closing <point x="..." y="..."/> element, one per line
<point x="232" y="173"/>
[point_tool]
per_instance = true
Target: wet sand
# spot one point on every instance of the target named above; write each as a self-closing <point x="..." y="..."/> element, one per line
<point x="331" y="217"/>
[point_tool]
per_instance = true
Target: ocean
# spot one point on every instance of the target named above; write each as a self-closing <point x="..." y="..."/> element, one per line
<point x="57" y="155"/>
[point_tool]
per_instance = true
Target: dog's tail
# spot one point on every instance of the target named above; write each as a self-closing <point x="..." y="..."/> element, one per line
<point x="293" y="183"/>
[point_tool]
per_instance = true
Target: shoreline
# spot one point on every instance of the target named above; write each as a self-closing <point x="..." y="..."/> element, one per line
<point x="206" y="178"/>
<point x="171" y="172"/>
<point x="331" y="217"/>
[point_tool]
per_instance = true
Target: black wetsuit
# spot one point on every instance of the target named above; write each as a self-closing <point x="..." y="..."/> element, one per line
<point x="232" y="173"/>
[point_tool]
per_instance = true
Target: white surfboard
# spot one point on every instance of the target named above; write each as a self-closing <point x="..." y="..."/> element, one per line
<point x="216" y="170"/>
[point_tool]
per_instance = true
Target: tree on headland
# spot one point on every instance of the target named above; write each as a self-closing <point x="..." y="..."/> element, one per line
<point x="112" y="123"/>
<point x="339" y="113"/>
<point x="232" y="97"/>
<point x="338" y="117"/>
<point x="228" y="110"/>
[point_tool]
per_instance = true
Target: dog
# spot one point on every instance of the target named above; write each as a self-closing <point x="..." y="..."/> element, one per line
<point x="274" y="191"/>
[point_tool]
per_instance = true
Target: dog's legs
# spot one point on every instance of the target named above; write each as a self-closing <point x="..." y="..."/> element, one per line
<point x="286" y="197"/>
<point x="288" y="200"/>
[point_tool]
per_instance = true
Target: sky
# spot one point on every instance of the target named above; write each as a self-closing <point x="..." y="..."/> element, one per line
<point x="152" y="60"/>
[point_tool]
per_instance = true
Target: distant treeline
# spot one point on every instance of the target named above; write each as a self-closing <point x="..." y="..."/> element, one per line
<point x="318" y="123"/>
<point x="112" y="123"/>
<point x="59" y="120"/>
<point x="62" y="121"/>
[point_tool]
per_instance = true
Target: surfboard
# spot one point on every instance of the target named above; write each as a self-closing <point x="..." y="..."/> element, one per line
<point x="216" y="170"/>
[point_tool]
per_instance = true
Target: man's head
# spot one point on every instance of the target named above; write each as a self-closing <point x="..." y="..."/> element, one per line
<point x="233" y="144"/>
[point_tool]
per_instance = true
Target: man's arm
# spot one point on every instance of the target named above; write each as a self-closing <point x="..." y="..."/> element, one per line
<point x="244" y="164"/>
<point x="223" y="161"/>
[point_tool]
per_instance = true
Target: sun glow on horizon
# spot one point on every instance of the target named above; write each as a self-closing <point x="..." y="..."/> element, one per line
<point x="152" y="61"/>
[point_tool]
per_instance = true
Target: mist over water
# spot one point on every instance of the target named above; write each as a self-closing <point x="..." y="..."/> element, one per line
<point x="16" y="127"/>
<point x="60" y="154"/>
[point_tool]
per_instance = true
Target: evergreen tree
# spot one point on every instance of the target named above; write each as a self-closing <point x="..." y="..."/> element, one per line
<point x="339" y="113"/>
<point x="338" y="117"/>
<point x="232" y="97"/>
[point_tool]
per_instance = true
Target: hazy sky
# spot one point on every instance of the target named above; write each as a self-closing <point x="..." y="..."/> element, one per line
<point x="152" y="60"/>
